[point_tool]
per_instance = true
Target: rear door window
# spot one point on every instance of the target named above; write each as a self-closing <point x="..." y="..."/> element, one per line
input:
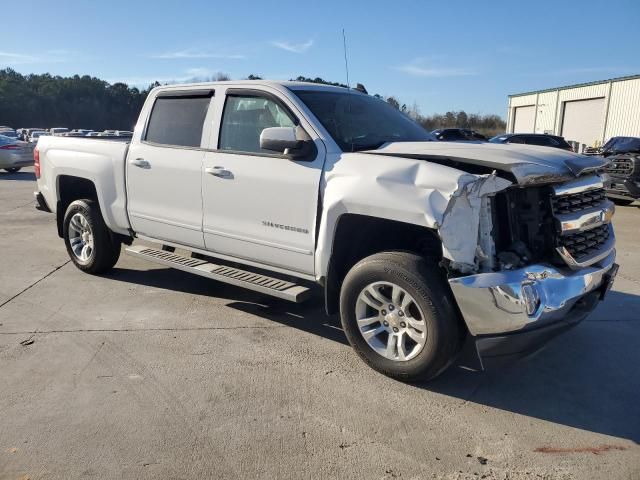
<point x="178" y="120"/>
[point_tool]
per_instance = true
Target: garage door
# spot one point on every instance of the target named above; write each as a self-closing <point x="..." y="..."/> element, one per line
<point x="524" y="118"/>
<point x="583" y="121"/>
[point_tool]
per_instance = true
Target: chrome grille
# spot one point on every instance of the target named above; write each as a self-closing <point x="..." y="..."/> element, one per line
<point x="621" y="167"/>
<point x="584" y="244"/>
<point x="578" y="201"/>
<point x="582" y="214"/>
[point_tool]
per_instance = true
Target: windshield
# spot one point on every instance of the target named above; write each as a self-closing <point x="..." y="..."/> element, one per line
<point x="360" y="122"/>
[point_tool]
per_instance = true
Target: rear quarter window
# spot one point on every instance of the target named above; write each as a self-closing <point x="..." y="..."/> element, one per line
<point x="177" y="121"/>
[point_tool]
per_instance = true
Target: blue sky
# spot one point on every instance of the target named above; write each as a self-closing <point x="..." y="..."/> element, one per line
<point x="441" y="55"/>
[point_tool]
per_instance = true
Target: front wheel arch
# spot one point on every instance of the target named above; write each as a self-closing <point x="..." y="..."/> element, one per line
<point x="358" y="236"/>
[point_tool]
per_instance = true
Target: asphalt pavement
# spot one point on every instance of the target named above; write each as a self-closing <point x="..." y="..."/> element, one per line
<point x="148" y="372"/>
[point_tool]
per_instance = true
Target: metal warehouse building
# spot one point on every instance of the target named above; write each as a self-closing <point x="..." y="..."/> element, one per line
<point x="587" y="113"/>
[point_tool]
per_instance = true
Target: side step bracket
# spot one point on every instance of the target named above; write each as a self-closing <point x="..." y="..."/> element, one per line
<point x="222" y="273"/>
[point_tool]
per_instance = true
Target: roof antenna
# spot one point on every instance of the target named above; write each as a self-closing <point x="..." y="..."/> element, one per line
<point x="346" y="62"/>
<point x="349" y="92"/>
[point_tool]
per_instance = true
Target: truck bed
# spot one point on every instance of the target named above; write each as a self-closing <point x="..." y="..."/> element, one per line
<point x="98" y="159"/>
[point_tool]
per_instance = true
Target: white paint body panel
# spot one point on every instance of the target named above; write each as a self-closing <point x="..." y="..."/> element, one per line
<point x="101" y="161"/>
<point x="266" y="210"/>
<point x="165" y="198"/>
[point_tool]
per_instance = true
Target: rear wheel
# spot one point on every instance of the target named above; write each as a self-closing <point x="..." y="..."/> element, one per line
<point x="13" y="169"/>
<point x="90" y="244"/>
<point x="398" y="314"/>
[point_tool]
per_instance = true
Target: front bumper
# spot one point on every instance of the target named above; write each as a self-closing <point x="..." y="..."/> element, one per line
<point x="512" y="313"/>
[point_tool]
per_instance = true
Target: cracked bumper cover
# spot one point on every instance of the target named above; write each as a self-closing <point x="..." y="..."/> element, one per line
<point x="494" y="305"/>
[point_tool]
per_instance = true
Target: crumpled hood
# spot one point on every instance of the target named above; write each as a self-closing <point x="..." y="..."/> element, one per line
<point x="527" y="163"/>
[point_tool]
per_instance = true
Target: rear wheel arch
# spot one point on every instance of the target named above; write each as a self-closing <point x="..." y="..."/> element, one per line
<point x="69" y="189"/>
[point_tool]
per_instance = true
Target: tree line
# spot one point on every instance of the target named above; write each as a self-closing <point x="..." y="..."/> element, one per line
<point x="44" y="100"/>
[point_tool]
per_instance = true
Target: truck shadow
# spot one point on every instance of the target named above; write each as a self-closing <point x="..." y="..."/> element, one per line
<point x="588" y="378"/>
<point x="20" y="176"/>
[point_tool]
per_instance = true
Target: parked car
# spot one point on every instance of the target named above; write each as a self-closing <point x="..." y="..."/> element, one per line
<point x="29" y="131"/>
<point x="58" y="130"/>
<point x="14" y="154"/>
<point x="75" y="134"/>
<point x="9" y="133"/>
<point x="306" y="184"/>
<point x="21" y="132"/>
<point x="124" y="133"/>
<point x="541" y="139"/>
<point x="458" y="135"/>
<point x="36" y="134"/>
<point x="92" y="134"/>
<point x="623" y="184"/>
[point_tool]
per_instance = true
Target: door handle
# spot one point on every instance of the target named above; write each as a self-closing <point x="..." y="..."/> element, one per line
<point x="219" y="172"/>
<point x="141" y="162"/>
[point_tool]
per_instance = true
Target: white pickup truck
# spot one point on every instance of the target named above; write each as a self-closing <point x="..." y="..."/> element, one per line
<point x="424" y="247"/>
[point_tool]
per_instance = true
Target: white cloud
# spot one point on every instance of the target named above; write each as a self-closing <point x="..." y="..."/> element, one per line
<point x="293" y="47"/>
<point x="190" y="53"/>
<point x="190" y="75"/>
<point x="49" y="56"/>
<point x="421" y="68"/>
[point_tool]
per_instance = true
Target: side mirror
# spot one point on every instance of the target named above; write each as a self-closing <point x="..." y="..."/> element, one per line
<point x="279" y="139"/>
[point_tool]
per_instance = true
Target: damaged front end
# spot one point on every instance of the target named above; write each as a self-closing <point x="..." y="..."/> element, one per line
<point x="526" y="261"/>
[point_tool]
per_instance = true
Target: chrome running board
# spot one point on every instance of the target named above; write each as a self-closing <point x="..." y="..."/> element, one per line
<point x="222" y="273"/>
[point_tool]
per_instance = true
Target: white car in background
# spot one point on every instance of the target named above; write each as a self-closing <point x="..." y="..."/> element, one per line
<point x="14" y="154"/>
<point x="58" y="130"/>
<point x="35" y="135"/>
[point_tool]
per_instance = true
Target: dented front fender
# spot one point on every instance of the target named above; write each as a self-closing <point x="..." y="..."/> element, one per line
<point x="407" y="190"/>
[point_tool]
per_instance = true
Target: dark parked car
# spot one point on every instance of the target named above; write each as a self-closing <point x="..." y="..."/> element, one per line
<point x="540" y="139"/>
<point x="623" y="184"/>
<point x="458" y="135"/>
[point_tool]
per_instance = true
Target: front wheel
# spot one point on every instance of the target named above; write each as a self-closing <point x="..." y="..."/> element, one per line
<point x="398" y="314"/>
<point x="13" y="169"/>
<point x="90" y="244"/>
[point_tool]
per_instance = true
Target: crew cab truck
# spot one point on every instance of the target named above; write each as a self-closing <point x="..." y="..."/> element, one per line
<point x="423" y="247"/>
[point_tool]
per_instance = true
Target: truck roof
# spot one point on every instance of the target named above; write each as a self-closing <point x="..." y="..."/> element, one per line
<point x="292" y="85"/>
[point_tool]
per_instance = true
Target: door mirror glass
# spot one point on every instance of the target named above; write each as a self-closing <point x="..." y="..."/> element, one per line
<point x="279" y="139"/>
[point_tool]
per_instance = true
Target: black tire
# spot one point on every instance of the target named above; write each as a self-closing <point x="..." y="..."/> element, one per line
<point x="623" y="202"/>
<point x="13" y="169"/>
<point x="425" y="282"/>
<point x="106" y="248"/>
